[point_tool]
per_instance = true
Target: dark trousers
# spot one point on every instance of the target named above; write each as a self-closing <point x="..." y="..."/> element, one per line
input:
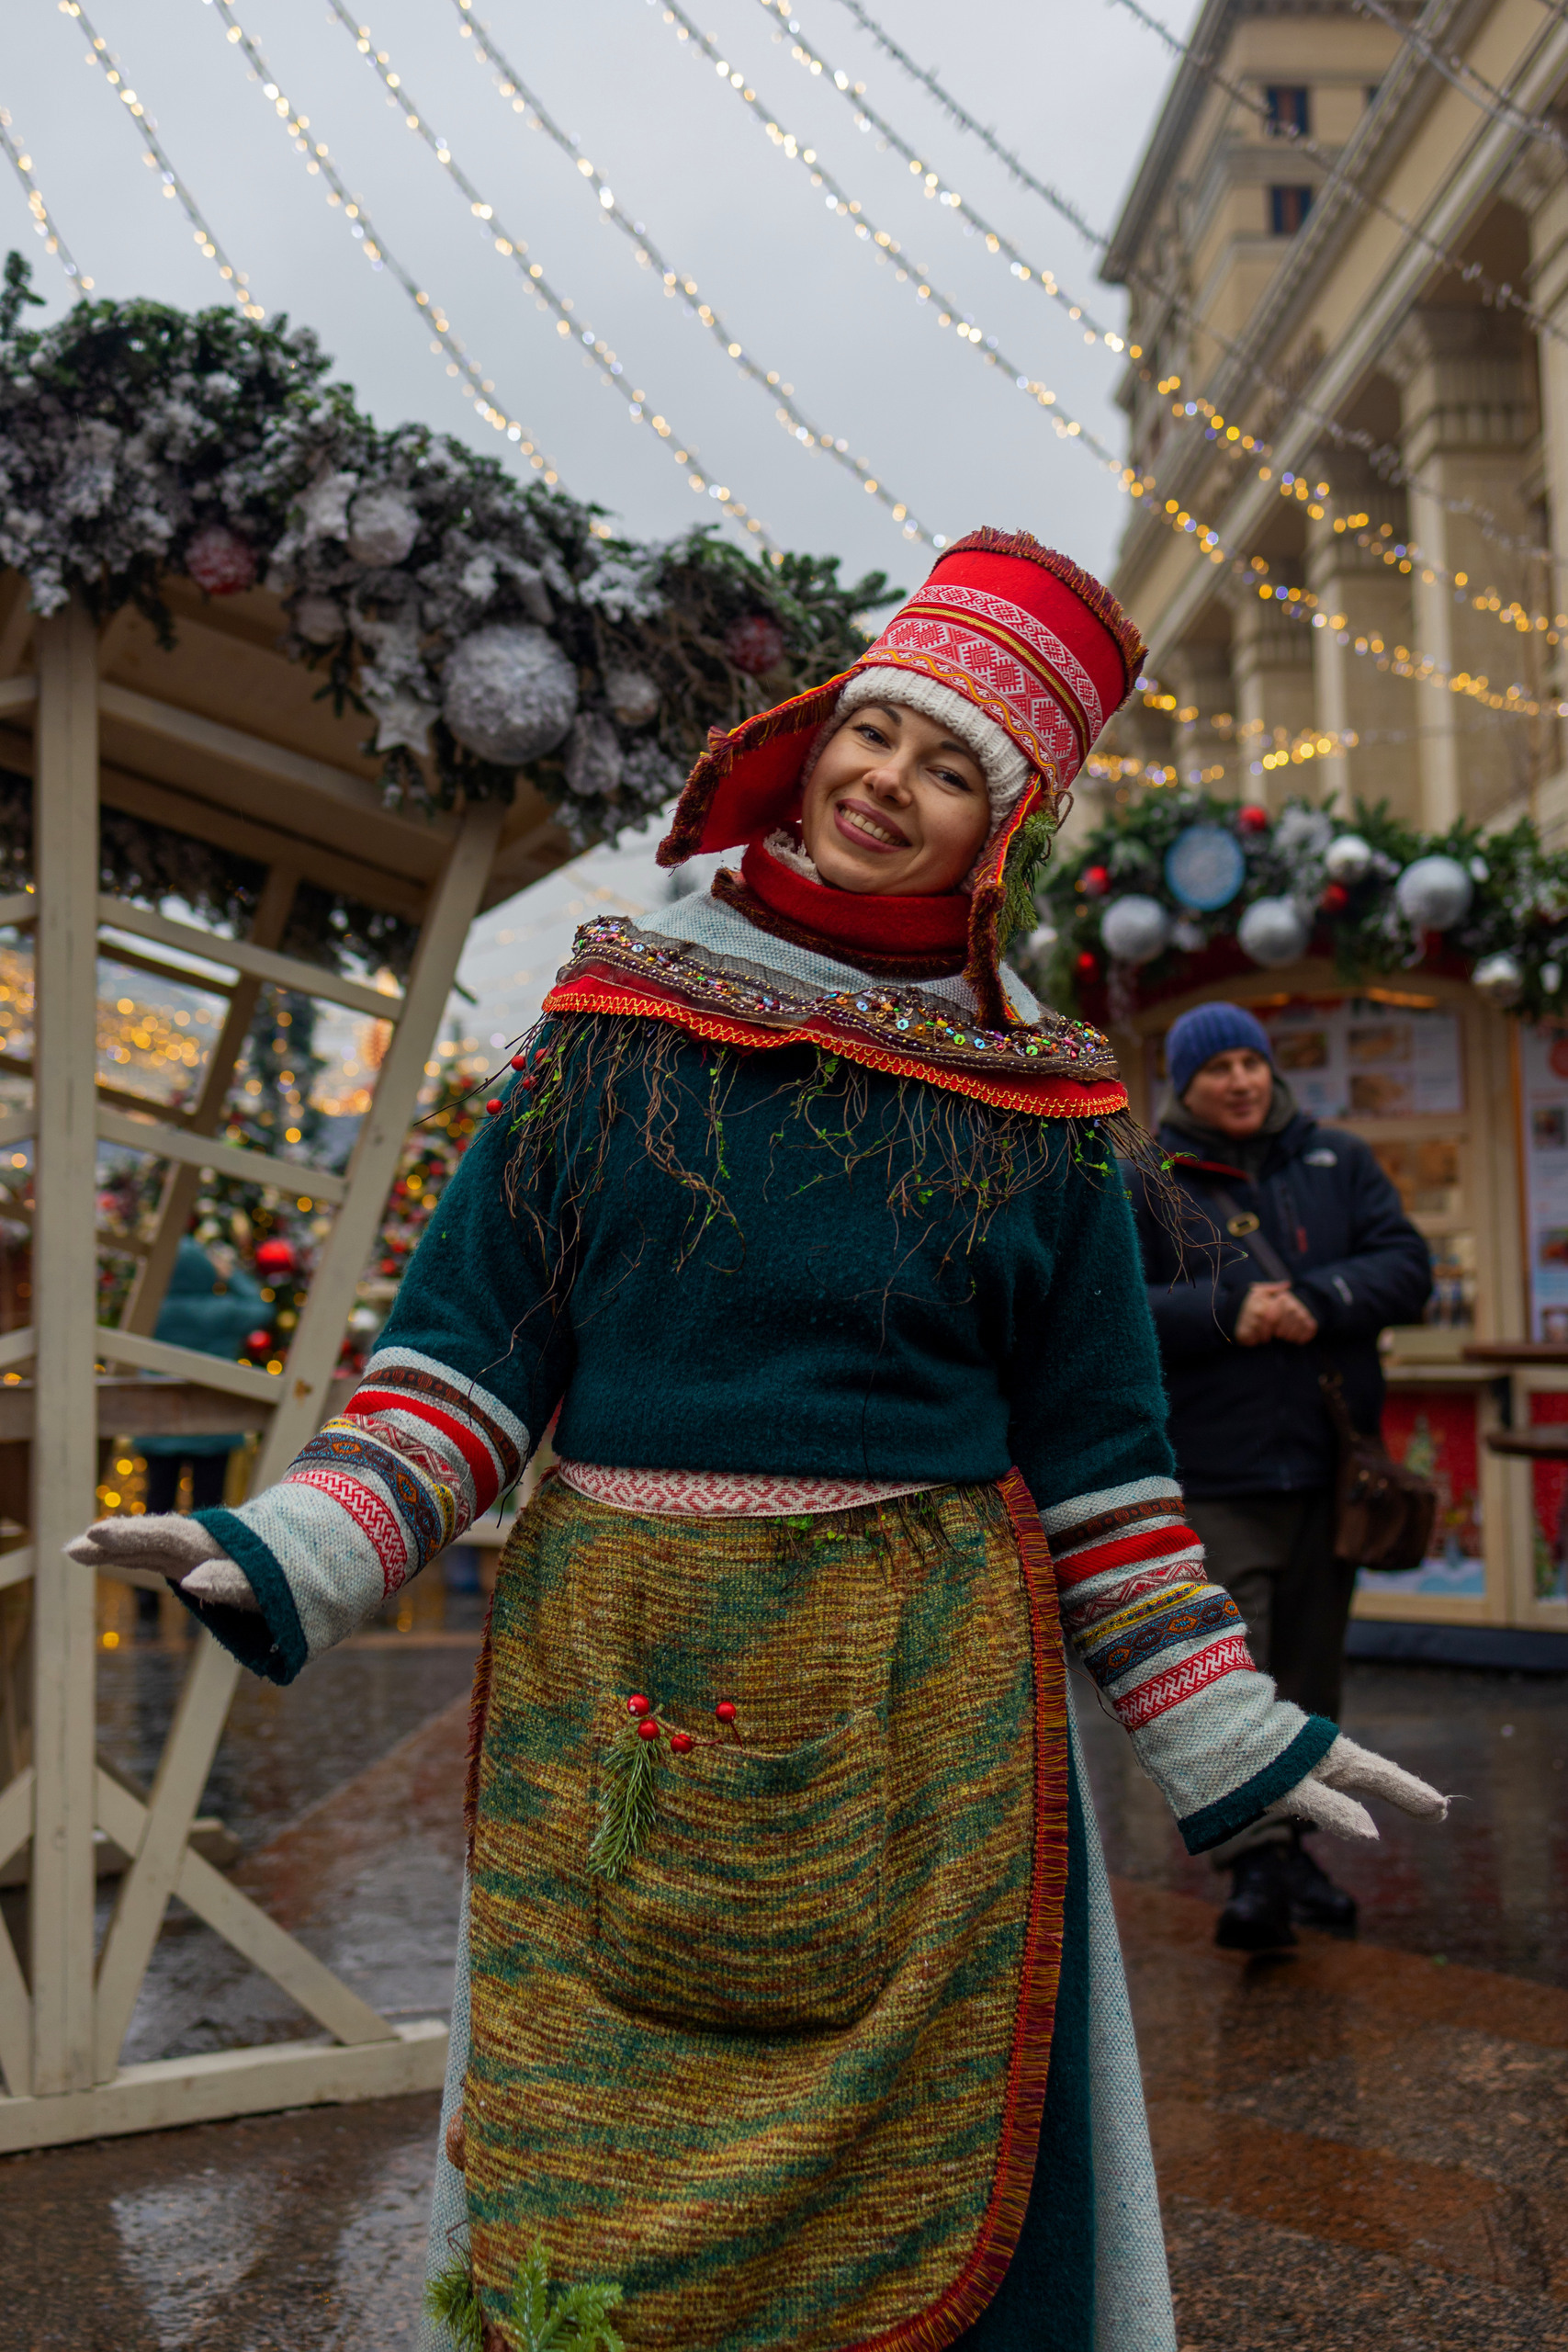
<point x="207" y="1476"/>
<point x="207" y="1472"/>
<point x="1274" y="1555"/>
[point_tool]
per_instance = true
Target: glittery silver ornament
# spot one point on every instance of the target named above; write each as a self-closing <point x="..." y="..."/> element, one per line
<point x="319" y="619"/>
<point x="1273" y="931"/>
<point x="1498" y="979"/>
<point x="382" y="527"/>
<point x="1434" y="893"/>
<point x="509" y="693"/>
<point x="593" y="758"/>
<point x="1135" y="928"/>
<point x="632" y="695"/>
<point x="1348" y="859"/>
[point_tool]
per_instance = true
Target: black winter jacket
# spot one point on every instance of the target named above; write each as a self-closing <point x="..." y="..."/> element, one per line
<point x="1252" y="1420"/>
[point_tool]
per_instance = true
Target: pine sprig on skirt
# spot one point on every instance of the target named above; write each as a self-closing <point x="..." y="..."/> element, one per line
<point x="576" y="2319"/>
<point x="628" y="1801"/>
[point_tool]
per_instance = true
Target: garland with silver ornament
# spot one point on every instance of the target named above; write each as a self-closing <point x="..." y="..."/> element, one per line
<point x="490" y="628"/>
<point x="1180" y="888"/>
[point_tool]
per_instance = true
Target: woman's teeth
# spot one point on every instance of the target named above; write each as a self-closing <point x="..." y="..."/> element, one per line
<point x="868" y="825"/>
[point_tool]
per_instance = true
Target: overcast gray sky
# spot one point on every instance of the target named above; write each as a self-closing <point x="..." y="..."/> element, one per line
<point x="1071" y="85"/>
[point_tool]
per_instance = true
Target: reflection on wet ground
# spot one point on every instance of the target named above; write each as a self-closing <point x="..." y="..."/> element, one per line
<point x="1363" y="2145"/>
<point x="1360" y="2144"/>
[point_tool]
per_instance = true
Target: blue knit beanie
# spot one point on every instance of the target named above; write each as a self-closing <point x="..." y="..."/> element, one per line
<point x="1208" y="1030"/>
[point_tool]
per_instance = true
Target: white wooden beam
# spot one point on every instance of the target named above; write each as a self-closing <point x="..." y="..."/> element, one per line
<point x="173" y="2091"/>
<point x="65" y="1273"/>
<point x="18" y="693"/>
<point x="164" y="1865"/>
<point x="15" y="1127"/>
<point x="267" y="844"/>
<point x="148" y="1354"/>
<point x="243" y="955"/>
<point x="18" y="907"/>
<point x="163" y="1142"/>
<point x="16" y="1347"/>
<point x="252" y="751"/>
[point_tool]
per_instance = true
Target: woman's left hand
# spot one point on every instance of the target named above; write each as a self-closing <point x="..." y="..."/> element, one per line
<point x="1322" y="1797"/>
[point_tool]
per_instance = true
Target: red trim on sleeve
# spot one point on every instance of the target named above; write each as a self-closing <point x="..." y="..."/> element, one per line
<point x="474" y="1451"/>
<point x="1155" y="1543"/>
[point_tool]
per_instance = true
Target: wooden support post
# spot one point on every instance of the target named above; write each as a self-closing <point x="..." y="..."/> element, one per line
<point x="193" y="1739"/>
<point x="65" y="832"/>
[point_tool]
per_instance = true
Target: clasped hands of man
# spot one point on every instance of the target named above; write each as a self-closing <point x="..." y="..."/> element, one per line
<point x="1272" y="1311"/>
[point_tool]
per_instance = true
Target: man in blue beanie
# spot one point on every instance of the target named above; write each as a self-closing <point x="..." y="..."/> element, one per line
<point x="1295" y="1255"/>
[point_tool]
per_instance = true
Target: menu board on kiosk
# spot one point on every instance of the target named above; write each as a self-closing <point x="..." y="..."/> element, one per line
<point x="1357" y="1058"/>
<point x="1543" y="1073"/>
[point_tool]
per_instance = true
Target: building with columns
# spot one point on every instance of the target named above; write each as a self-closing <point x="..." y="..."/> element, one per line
<point x="1346" y="253"/>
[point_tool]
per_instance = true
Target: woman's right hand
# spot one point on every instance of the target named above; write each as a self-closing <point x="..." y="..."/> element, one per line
<point x="168" y="1545"/>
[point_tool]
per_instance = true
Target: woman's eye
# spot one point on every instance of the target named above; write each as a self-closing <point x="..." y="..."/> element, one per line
<point x="872" y="734"/>
<point x="950" y="775"/>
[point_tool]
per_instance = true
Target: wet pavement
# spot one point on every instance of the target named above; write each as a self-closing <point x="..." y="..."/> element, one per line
<point x="1361" y="2145"/>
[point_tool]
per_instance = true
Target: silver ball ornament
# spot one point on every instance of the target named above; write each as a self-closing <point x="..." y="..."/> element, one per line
<point x="509" y="693"/>
<point x="1135" y="928"/>
<point x="1434" y="893"/>
<point x="1348" y="859"/>
<point x="319" y="619"/>
<point x="1498" y="979"/>
<point x="1273" y="931"/>
<point x="632" y="695"/>
<point x="382" y="527"/>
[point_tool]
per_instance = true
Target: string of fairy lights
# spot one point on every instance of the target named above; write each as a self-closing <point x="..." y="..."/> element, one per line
<point x="44" y="222"/>
<point x="460" y="363"/>
<point x="1463" y="77"/>
<point x="234" y="278"/>
<point x="515" y="249"/>
<point x="512" y="89"/>
<point x="1029" y="273"/>
<point x="1141" y="486"/>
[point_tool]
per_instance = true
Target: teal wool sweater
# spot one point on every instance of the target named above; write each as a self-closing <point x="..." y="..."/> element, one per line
<point x="814" y="1317"/>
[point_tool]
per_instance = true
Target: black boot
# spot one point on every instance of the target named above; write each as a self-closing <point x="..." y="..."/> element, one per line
<point x="1258" y="1917"/>
<point x="1315" y="1901"/>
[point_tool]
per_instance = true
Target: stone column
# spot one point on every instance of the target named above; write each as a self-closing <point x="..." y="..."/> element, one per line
<point x="1204" y="750"/>
<point x="1539" y="186"/>
<point x="1275" y="695"/>
<point x="1359" y="689"/>
<point x="1469" y="412"/>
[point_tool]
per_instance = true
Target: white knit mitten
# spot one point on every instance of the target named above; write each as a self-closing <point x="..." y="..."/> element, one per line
<point x="171" y="1546"/>
<point x="1320" y="1799"/>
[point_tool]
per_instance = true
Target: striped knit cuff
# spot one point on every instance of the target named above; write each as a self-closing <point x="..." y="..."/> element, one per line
<point x="272" y="1645"/>
<point x="1212" y="1823"/>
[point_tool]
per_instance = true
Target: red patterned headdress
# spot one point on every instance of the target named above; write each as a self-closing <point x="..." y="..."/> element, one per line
<point x="1031" y="641"/>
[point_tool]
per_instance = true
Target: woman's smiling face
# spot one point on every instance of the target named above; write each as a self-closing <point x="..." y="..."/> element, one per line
<point x="894" y="804"/>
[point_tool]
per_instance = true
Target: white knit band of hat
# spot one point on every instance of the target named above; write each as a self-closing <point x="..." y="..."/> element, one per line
<point x="1006" y="770"/>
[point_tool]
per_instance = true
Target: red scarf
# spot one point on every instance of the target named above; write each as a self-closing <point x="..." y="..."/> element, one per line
<point x="925" y="938"/>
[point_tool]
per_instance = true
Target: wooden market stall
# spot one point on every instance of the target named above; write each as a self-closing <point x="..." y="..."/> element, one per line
<point x="223" y="741"/>
<point x="1467" y="1111"/>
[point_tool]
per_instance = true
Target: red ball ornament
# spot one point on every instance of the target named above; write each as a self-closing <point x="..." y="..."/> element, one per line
<point x="1334" y="899"/>
<point x="1086" y="964"/>
<point x="219" y="560"/>
<point x="754" y="643"/>
<point x="274" y="1258"/>
<point x="637" y="1705"/>
<point x="1094" y="881"/>
<point x="682" y="1742"/>
<point x="648" y="1730"/>
<point x="1252" y="819"/>
<point x="259" y="1342"/>
<point x="494" y="1105"/>
<point x="725" y="1711"/>
<point x="519" y="1061"/>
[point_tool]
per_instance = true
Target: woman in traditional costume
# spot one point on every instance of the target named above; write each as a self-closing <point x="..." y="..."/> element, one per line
<point x="789" y="1998"/>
